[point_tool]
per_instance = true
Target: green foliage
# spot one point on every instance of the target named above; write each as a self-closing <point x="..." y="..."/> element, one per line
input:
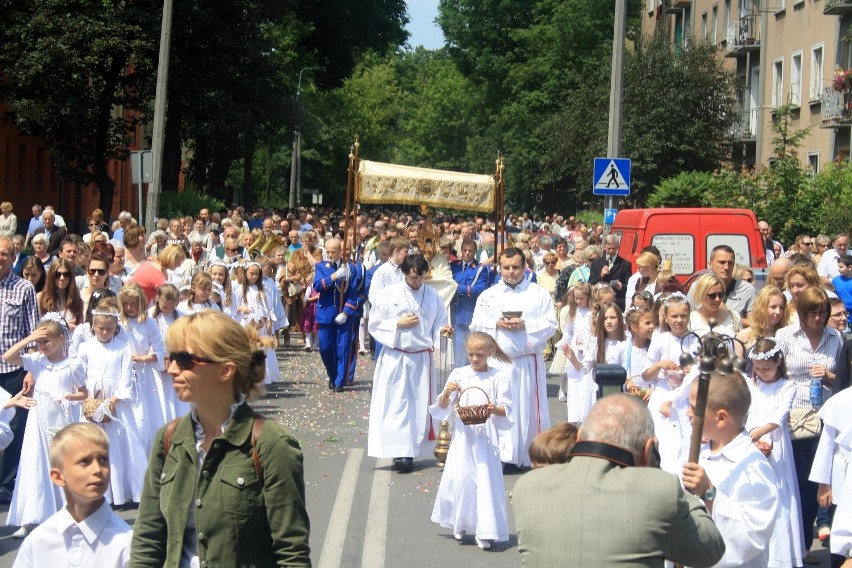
<point x="67" y="65"/>
<point x="834" y="185"/>
<point x="589" y="216"/>
<point x="173" y="204"/>
<point x="687" y="189"/>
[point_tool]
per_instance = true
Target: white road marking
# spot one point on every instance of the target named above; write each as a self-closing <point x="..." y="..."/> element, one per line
<point x="335" y="536"/>
<point x="377" y="517"/>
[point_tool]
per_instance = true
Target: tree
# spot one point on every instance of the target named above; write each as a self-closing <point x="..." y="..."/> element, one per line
<point x="76" y="75"/>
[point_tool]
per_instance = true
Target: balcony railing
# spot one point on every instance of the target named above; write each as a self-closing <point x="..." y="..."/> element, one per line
<point x="837" y="7"/>
<point x="743" y="36"/>
<point x="836" y="108"/>
<point x="744" y="128"/>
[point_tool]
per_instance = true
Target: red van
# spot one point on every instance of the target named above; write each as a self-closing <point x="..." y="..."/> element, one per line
<point x="686" y="236"/>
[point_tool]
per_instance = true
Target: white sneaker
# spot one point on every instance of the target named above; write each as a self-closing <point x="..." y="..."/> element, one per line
<point x="562" y="397"/>
<point x="23" y="531"/>
<point x="483" y="543"/>
<point x="459" y="535"/>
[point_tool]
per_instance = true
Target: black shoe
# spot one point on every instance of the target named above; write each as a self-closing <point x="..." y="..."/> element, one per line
<point x="5" y="496"/>
<point x="330" y="384"/>
<point x="338" y="389"/>
<point x="405" y="465"/>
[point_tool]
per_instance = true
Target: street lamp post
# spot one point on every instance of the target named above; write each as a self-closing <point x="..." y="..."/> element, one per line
<point x="296" y="162"/>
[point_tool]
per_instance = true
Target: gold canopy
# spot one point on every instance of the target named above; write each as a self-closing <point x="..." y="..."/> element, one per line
<point x="381" y="183"/>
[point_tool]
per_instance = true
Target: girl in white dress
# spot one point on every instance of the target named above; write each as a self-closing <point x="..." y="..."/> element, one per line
<point x="672" y="430"/>
<point x="771" y="399"/>
<point x="164" y="312"/>
<point x="59" y="382"/>
<point x="219" y="273"/>
<point x="472" y="497"/>
<point x="576" y="322"/>
<point x="148" y="357"/>
<point x="83" y="332"/>
<point x="255" y="310"/>
<point x="200" y="291"/>
<point x="106" y="360"/>
<point x="635" y="360"/>
<point x="605" y="345"/>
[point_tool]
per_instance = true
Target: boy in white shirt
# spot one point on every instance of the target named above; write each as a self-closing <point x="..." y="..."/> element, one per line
<point x="86" y="532"/>
<point x="733" y="478"/>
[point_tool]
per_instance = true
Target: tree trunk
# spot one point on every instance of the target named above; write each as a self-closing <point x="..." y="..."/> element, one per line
<point x="106" y="188"/>
<point x="248" y="169"/>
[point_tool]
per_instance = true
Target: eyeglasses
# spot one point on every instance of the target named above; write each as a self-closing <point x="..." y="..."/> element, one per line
<point x="61" y="274"/>
<point x="187" y="361"/>
<point x="816" y="313"/>
<point x="98" y="271"/>
<point x="716" y="295"/>
<point x="842" y="315"/>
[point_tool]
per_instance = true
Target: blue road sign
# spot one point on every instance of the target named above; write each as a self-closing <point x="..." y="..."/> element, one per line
<point x="612" y="176"/>
<point x="609" y="216"/>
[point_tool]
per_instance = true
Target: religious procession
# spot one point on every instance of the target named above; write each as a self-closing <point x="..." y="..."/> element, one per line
<point x="132" y="365"/>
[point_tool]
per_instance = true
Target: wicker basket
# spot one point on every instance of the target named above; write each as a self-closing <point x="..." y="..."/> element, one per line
<point x="90" y="405"/>
<point x="476" y="414"/>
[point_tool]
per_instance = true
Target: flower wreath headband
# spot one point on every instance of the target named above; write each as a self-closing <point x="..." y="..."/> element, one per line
<point x="766" y="355"/>
<point x="56" y="317"/>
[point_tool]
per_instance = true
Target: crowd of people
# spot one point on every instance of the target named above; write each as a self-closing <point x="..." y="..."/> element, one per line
<point x="121" y="329"/>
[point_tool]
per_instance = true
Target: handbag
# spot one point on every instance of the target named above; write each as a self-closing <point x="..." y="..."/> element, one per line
<point x="804" y="423"/>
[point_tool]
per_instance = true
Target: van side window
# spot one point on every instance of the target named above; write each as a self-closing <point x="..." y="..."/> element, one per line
<point x="680" y="249"/>
<point x="737" y="242"/>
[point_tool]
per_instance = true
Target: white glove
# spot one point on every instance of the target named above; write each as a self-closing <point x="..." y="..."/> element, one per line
<point x="342" y="273"/>
<point x="341" y="318"/>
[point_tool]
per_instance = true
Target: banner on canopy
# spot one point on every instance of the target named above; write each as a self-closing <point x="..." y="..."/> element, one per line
<point x="381" y="183"/>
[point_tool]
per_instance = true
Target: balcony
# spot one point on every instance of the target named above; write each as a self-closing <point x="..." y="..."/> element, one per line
<point x="744" y="128"/>
<point x="836" y="109"/>
<point x="675" y="6"/>
<point x="743" y="37"/>
<point x="837" y="7"/>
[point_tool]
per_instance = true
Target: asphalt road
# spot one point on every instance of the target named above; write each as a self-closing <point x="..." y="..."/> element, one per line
<point x="362" y="513"/>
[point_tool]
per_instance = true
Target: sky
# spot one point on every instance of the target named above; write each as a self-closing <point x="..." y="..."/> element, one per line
<point x="422" y="27"/>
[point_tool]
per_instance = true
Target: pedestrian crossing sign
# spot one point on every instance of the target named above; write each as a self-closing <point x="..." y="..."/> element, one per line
<point x="612" y="176"/>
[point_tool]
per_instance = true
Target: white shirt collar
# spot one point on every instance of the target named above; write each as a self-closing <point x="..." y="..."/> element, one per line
<point x="91" y="526"/>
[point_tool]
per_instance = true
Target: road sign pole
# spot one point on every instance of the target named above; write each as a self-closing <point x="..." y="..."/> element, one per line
<point x="613" y="147"/>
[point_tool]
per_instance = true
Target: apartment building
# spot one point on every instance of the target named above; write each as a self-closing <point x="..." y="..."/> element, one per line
<point x="783" y="51"/>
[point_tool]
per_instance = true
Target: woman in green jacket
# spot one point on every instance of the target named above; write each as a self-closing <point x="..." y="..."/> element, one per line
<point x="223" y="486"/>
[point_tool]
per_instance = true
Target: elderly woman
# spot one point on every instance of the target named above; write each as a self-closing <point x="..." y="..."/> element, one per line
<point x="39" y="243"/>
<point x="581" y="273"/>
<point x="223" y="486"/>
<point x="821" y="244"/>
<point x="8" y="221"/>
<point x="709" y="301"/>
<point x="810" y="350"/>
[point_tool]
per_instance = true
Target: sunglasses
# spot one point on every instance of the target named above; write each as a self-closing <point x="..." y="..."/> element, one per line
<point x="716" y="295"/>
<point x="62" y="274"/>
<point x="186" y="361"/>
<point x="98" y="271"/>
<point x="550" y="263"/>
<point x="806" y="244"/>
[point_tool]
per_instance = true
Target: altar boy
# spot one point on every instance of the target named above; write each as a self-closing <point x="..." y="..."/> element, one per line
<point x="732" y="477"/>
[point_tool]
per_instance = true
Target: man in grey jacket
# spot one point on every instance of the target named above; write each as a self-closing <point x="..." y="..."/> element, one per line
<point x="609" y="505"/>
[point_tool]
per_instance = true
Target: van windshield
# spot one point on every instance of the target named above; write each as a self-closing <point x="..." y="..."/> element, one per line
<point x="680" y="249"/>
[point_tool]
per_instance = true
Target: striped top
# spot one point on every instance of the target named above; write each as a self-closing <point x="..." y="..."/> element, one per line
<point x="799" y="356"/>
<point x="18" y="314"/>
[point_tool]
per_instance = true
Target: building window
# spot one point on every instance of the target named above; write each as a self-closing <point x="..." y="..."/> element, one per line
<point x="813" y="162"/>
<point x="816" y="72"/>
<point x="704" y="30"/>
<point x="727" y="15"/>
<point x="778" y="82"/>
<point x="796" y="79"/>
<point x="715" y="24"/>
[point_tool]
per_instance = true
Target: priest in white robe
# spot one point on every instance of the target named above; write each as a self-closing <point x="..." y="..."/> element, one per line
<point x="523" y="339"/>
<point x="407" y="319"/>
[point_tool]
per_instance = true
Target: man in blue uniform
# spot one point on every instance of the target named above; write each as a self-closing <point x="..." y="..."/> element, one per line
<point x="472" y="278"/>
<point x="341" y="290"/>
